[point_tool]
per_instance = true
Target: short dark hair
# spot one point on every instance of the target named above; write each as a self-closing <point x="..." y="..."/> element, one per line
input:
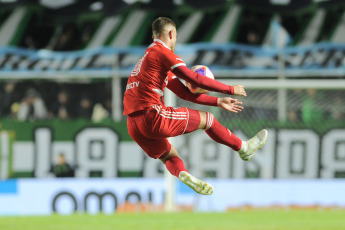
<point x="159" y="24"/>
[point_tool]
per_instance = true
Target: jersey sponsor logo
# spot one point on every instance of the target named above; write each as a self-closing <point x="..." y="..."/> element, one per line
<point x="132" y="85"/>
<point x="137" y="67"/>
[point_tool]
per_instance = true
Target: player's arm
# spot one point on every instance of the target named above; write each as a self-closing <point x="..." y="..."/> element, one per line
<point x="186" y="74"/>
<point x="226" y="103"/>
<point x="177" y="87"/>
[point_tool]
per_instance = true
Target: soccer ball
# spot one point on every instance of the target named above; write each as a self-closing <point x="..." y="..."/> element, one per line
<point x="203" y="70"/>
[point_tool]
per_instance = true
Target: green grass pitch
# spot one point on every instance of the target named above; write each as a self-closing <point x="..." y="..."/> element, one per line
<point x="235" y="220"/>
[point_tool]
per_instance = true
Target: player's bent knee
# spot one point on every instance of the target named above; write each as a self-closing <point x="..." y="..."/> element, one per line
<point x="173" y="152"/>
<point x="202" y="120"/>
<point x="206" y="120"/>
<point x="209" y="120"/>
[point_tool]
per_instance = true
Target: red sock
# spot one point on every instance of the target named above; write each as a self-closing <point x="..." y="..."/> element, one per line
<point x="221" y="134"/>
<point x="175" y="165"/>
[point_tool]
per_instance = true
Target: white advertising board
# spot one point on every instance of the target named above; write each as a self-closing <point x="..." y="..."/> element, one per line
<point x="66" y="196"/>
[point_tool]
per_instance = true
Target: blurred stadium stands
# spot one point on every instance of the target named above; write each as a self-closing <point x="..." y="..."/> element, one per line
<point x="75" y="25"/>
<point x="240" y="29"/>
<point x="64" y="67"/>
<point x="78" y="25"/>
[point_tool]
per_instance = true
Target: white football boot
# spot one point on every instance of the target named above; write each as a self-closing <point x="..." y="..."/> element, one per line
<point x="197" y="185"/>
<point x="249" y="147"/>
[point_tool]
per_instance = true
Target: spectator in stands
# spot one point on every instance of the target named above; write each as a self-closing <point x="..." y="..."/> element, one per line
<point x="99" y="113"/>
<point x="86" y="34"/>
<point x="295" y="104"/>
<point x="7" y="98"/>
<point x="68" y="39"/>
<point x="310" y="110"/>
<point x="32" y="107"/>
<point x="108" y="105"/>
<point x="85" y="108"/>
<point x="62" y="168"/>
<point x="292" y="115"/>
<point x="62" y="109"/>
<point x="337" y="111"/>
<point x="252" y="38"/>
<point x="29" y="42"/>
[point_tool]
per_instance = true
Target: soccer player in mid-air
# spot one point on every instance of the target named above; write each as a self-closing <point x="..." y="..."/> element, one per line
<point x="150" y="122"/>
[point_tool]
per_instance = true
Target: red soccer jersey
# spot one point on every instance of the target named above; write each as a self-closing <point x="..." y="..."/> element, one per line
<point x="148" y="79"/>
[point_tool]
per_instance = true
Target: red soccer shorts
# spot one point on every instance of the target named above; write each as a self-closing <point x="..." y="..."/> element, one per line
<point x="151" y="128"/>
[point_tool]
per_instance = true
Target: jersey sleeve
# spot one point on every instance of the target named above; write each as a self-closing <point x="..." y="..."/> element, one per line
<point x="201" y="81"/>
<point x="171" y="60"/>
<point x="177" y="87"/>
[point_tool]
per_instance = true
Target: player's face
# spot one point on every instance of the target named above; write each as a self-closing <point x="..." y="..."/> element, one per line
<point x="173" y="39"/>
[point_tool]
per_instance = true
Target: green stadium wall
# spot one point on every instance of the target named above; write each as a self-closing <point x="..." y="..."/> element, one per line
<point x="106" y="150"/>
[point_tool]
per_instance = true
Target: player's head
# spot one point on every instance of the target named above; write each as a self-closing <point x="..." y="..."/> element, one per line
<point x="165" y="29"/>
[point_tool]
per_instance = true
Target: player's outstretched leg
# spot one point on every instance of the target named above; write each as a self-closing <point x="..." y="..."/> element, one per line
<point x="222" y="135"/>
<point x="249" y="147"/>
<point x="176" y="167"/>
<point x="197" y="185"/>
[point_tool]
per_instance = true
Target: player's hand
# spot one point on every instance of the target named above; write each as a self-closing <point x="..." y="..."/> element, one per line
<point x="239" y="90"/>
<point x="230" y="104"/>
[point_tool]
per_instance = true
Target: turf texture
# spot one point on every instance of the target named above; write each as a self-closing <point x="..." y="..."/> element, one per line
<point x="234" y="220"/>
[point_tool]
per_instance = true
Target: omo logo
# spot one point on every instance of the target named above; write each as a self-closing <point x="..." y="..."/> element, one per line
<point x="68" y="202"/>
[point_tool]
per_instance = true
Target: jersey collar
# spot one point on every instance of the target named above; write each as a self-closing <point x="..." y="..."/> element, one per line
<point x="160" y="41"/>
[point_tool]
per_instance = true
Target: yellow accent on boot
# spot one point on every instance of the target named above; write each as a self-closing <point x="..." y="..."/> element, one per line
<point x="197" y="185"/>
